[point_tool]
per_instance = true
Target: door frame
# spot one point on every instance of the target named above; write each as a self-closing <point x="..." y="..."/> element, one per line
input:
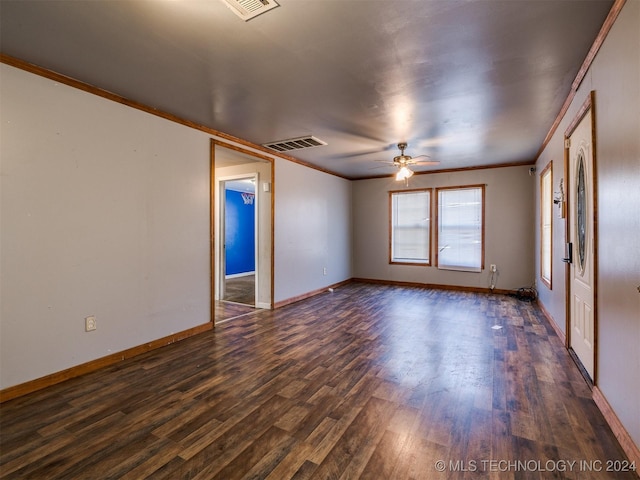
<point x="212" y="220"/>
<point x="220" y="272"/>
<point x="588" y="105"/>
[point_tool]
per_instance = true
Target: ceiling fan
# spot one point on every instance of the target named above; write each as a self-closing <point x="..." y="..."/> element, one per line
<point x="403" y="161"/>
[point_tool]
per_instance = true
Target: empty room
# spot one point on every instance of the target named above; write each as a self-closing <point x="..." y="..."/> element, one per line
<point x="319" y="239"/>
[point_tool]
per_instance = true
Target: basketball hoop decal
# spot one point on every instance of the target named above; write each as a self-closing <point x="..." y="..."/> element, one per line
<point x="247" y="198"/>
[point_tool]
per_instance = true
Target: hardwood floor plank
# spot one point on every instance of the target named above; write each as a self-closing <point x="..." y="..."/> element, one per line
<point x="417" y="459"/>
<point x="289" y="421"/>
<point x="370" y="434"/>
<point x="478" y="445"/>
<point x="260" y="457"/>
<point x="199" y="439"/>
<point x="384" y="457"/>
<point x="305" y="471"/>
<point x="124" y="459"/>
<point x="193" y="416"/>
<point x="32" y="453"/>
<point x="357" y="442"/>
<point x="292" y="462"/>
<point x="371" y="381"/>
<point x="151" y="460"/>
<point x="333" y="436"/>
<point x="216" y="455"/>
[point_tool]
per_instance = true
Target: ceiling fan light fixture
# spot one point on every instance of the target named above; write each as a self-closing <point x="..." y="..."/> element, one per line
<point x="404" y="173"/>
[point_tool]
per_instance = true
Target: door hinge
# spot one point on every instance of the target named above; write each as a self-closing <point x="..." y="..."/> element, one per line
<point x="567" y="143"/>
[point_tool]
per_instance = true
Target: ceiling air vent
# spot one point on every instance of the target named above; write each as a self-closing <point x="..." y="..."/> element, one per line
<point x="248" y="9"/>
<point x="294" y="144"/>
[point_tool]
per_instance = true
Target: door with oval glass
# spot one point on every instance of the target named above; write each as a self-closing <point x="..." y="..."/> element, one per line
<point x="581" y="235"/>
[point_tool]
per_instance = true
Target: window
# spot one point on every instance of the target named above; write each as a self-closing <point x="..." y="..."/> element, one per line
<point x="410" y="230"/>
<point x="546" y="215"/>
<point x="460" y="233"/>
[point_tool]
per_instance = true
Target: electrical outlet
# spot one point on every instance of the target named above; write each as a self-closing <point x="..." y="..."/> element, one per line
<point x="90" y="323"/>
<point x="324" y="271"/>
<point x="493" y="268"/>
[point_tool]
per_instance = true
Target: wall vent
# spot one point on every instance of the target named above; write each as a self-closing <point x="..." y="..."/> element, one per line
<point x="248" y="9"/>
<point x="295" y="144"/>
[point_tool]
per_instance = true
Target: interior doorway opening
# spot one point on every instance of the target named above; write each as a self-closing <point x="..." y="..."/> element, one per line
<point x="242" y="231"/>
<point x="238" y="230"/>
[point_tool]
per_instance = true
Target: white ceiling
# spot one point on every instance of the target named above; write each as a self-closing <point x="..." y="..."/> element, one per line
<point x="469" y="83"/>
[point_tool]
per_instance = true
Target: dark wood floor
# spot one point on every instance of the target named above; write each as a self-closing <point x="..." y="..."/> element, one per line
<point x="370" y="381"/>
<point x="241" y="290"/>
<point x="227" y="311"/>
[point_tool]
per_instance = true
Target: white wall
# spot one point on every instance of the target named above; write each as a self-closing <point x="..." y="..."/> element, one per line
<point x="105" y="212"/>
<point x="508" y="228"/>
<point x="312" y="230"/>
<point x="615" y="78"/>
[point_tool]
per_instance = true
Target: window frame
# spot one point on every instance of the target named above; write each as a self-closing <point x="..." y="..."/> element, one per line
<point x="482" y="188"/>
<point x="546" y="205"/>
<point x="393" y="261"/>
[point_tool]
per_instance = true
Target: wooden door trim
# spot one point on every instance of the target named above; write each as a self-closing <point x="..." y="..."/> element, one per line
<point x="212" y="206"/>
<point x="587" y="105"/>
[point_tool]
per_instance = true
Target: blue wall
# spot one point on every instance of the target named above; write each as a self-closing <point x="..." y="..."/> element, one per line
<point x="239" y="234"/>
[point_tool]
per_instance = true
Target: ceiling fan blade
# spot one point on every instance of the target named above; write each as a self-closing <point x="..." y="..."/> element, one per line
<point x="383" y="166"/>
<point x="371" y="151"/>
<point x="432" y="162"/>
<point x="403" y="161"/>
<point x="352" y="155"/>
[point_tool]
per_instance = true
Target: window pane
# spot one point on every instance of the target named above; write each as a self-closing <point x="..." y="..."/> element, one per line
<point x="410" y="225"/>
<point x="460" y="229"/>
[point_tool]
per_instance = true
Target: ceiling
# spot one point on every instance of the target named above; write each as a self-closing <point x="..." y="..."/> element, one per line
<point x="468" y="83"/>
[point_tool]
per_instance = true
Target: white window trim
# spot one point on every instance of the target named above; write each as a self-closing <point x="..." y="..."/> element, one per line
<point x="546" y="206"/>
<point x="407" y="261"/>
<point x="460" y="268"/>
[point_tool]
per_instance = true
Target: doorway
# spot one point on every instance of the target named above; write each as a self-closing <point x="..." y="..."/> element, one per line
<point x="582" y="239"/>
<point x="241" y="186"/>
<point x="239" y="228"/>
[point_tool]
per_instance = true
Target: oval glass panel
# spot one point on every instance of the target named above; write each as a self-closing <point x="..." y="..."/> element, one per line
<point x="581" y="212"/>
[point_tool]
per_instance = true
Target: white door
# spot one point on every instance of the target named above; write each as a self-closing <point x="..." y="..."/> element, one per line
<point x="581" y="236"/>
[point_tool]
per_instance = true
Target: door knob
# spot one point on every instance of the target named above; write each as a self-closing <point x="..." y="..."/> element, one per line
<point x="568" y="251"/>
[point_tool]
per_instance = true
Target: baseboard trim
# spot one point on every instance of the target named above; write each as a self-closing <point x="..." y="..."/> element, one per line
<point x="561" y="335"/>
<point x="434" y="285"/>
<point x="626" y="442"/>
<point x="59" y="377"/>
<point x="310" y="294"/>
<point x="313" y="293"/>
